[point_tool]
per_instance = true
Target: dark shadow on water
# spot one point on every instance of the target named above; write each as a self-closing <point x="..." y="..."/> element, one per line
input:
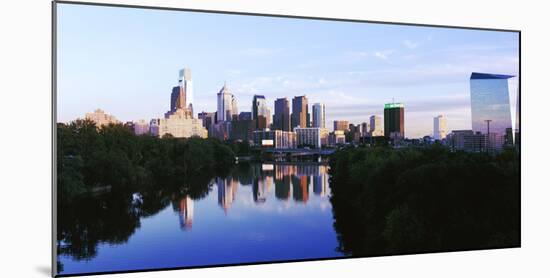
<point x="45" y="270"/>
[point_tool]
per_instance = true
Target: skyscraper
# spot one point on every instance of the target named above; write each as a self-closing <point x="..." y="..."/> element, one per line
<point x="260" y="112"/>
<point x="375" y="128"/>
<point x="318" y="110"/>
<point x="341" y="125"/>
<point x="182" y="95"/>
<point x="300" y="112"/>
<point x="490" y="101"/>
<point x="440" y="127"/>
<point x="226" y="105"/>
<point x="281" y="118"/>
<point x="394" y="120"/>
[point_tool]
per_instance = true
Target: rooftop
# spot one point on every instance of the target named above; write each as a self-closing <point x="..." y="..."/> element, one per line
<point x="478" y="75"/>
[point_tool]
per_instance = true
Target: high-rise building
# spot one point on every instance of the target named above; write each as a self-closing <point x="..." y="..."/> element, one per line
<point x="394" y="120"/>
<point x="376" y="126"/>
<point x="281" y="118"/>
<point x="490" y="102"/>
<point x="208" y="119"/>
<point x="182" y="95"/>
<point x="100" y="118"/>
<point x="365" y="129"/>
<point x="314" y="137"/>
<point x="440" y="127"/>
<point x="261" y="112"/>
<point x="300" y="112"/>
<point x="318" y="110"/>
<point x="341" y="125"/>
<point x="227" y="105"/>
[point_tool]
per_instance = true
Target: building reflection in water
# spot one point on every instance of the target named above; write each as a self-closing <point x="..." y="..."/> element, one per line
<point x="289" y="182"/>
<point x="186" y="213"/>
<point x="227" y="189"/>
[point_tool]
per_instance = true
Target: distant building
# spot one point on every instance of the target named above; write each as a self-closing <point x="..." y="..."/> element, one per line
<point x="375" y="127"/>
<point x="227" y="105"/>
<point x="318" y="110"/>
<point x="241" y="130"/>
<point x="182" y="95"/>
<point x="100" y="118"/>
<point x="180" y="125"/>
<point x="394" y="120"/>
<point x="300" y="112"/>
<point x="245" y="116"/>
<point x="281" y="118"/>
<point x="314" y="137"/>
<point x="208" y="120"/>
<point x="154" y="127"/>
<point x="261" y="112"/>
<point x="275" y="139"/>
<point x="440" y="127"/>
<point x="467" y="140"/>
<point x="353" y="134"/>
<point x="341" y="125"/>
<point x="337" y="137"/>
<point x="365" y="129"/>
<point x="141" y="127"/>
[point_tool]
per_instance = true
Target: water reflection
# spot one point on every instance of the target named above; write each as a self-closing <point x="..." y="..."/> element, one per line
<point x="283" y="208"/>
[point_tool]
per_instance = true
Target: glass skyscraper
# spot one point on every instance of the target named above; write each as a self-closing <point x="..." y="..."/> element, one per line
<point x="490" y="102"/>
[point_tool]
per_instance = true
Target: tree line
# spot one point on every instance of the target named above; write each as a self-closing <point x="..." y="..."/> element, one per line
<point x="399" y="201"/>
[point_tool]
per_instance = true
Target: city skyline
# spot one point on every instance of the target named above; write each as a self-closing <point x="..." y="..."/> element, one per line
<point x="425" y="68"/>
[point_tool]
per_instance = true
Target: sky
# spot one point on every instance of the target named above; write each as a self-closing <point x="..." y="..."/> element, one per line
<point x="126" y="61"/>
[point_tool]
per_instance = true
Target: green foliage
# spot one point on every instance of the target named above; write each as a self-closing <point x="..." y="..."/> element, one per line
<point x="392" y="201"/>
<point x="141" y="175"/>
<point x="112" y="156"/>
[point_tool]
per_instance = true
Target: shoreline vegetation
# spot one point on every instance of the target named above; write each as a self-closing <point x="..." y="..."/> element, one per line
<point x="403" y="201"/>
<point x="385" y="201"/>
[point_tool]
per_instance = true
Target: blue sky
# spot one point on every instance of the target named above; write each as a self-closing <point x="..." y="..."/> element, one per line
<point x="125" y="61"/>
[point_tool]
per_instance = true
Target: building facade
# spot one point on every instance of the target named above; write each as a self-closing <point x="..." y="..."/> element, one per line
<point x="300" y="112"/>
<point x="375" y="128"/>
<point x="281" y="118"/>
<point x="341" y="125"/>
<point x="490" y="102"/>
<point x="440" y="127"/>
<point x="261" y="112"/>
<point x="227" y="105"/>
<point x="314" y="137"/>
<point x="100" y="118"/>
<point x="180" y="125"/>
<point x="318" y="111"/>
<point x="275" y="139"/>
<point x="394" y="120"/>
<point x="141" y="127"/>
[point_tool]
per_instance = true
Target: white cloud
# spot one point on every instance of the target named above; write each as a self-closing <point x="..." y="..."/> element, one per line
<point x="410" y="44"/>
<point x="383" y="54"/>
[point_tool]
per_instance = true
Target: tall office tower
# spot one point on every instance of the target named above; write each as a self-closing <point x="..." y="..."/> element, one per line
<point x="281" y="118"/>
<point x="490" y="102"/>
<point x="365" y="129"/>
<point x="440" y="127"/>
<point x="300" y="112"/>
<point x="341" y="125"/>
<point x="394" y="120"/>
<point x="226" y="103"/>
<point x="375" y="128"/>
<point x="261" y="112"/>
<point x="318" y="110"/>
<point x="234" y="109"/>
<point x="182" y="95"/>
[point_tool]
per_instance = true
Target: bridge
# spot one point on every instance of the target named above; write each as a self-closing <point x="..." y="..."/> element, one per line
<point x="299" y="152"/>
